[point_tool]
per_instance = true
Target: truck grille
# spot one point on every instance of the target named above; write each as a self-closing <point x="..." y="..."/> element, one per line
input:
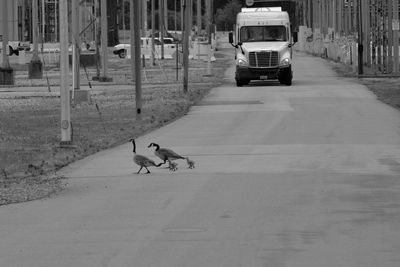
<point x="264" y="59"/>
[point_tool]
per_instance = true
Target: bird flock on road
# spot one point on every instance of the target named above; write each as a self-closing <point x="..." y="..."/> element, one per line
<point x="165" y="154"/>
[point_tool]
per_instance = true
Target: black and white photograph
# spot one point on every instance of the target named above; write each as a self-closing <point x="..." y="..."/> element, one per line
<point x="199" y="133"/>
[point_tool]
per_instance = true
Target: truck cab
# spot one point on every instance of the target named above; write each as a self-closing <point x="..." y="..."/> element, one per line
<point x="263" y="44"/>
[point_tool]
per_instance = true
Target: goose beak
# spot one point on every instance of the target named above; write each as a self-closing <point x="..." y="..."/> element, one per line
<point x="150" y="145"/>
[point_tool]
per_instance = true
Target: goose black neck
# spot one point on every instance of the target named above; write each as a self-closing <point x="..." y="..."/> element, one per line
<point x="134" y="146"/>
<point x="157" y="146"/>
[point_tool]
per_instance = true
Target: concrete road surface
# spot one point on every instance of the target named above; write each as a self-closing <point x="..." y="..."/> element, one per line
<point x="299" y="176"/>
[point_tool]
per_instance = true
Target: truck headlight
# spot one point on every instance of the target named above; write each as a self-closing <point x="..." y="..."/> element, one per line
<point x="241" y="61"/>
<point x="285" y="62"/>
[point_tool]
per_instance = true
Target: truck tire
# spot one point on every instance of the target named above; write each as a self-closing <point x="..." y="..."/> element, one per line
<point x="240" y="83"/>
<point x="288" y="82"/>
<point x="286" y="77"/>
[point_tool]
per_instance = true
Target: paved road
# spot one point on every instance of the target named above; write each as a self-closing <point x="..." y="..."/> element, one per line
<point x="300" y="176"/>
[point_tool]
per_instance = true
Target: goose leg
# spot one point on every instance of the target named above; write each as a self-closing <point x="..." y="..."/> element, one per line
<point x="147" y="169"/>
<point x="140" y="169"/>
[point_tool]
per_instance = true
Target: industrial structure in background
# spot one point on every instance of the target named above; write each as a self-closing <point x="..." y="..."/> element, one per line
<point x="20" y="20"/>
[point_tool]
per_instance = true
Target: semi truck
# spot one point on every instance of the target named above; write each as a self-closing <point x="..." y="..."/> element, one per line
<point x="263" y="42"/>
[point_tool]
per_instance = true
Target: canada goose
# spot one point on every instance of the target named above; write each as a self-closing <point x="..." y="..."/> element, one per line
<point x="168" y="154"/>
<point x="165" y="153"/>
<point x="142" y="161"/>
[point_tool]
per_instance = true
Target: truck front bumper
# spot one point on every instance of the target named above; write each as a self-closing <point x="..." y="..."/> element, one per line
<point x="249" y="73"/>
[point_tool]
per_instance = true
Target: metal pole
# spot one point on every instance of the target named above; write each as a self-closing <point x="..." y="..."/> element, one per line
<point x="360" y="40"/>
<point x="55" y="21"/>
<point x="35" y="70"/>
<point x="334" y="16"/>
<point x="35" y="28"/>
<point x="138" y="83"/>
<point x="187" y="26"/>
<point x="75" y="45"/>
<point x="104" y="39"/>
<point x="123" y="20"/>
<point x="396" y="36"/>
<point x="390" y="37"/>
<point x="177" y="61"/>
<point x="366" y="36"/>
<point x="166" y="25"/>
<point x="144" y="18"/>
<point x="182" y="18"/>
<point x="132" y="37"/>
<point x="161" y="25"/>
<point x="64" y="90"/>
<point x="43" y="22"/>
<point x="153" y="31"/>
<point x="6" y="62"/>
<point x="340" y="16"/>
<point x="208" y="27"/>
<point x="198" y="16"/>
<point x="175" y="17"/>
<point x="165" y="20"/>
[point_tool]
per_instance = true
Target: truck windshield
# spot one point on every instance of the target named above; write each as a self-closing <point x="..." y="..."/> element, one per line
<point x="263" y="33"/>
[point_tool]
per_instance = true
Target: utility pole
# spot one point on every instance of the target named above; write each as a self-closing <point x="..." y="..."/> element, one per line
<point x="104" y="42"/>
<point x="75" y="46"/>
<point x="208" y="27"/>
<point x="144" y="18"/>
<point x="175" y="22"/>
<point x="153" y="31"/>
<point x="161" y="25"/>
<point x="7" y="73"/>
<point x="35" y="30"/>
<point x="132" y="35"/>
<point x="136" y="37"/>
<point x="123" y="20"/>
<point x="390" y="36"/>
<point x="208" y="19"/>
<point x="165" y="15"/>
<point x="6" y="61"/>
<point x="360" y="39"/>
<point x="187" y="5"/>
<point x="64" y="85"/>
<point x="35" y="70"/>
<point x="198" y="17"/>
<point x="396" y="36"/>
<point x="366" y="37"/>
<point x="43" y="23"/>
<point x="340" y="18"/>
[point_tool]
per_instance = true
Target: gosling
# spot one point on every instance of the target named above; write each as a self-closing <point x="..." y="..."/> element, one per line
<point x="190" y="163"/>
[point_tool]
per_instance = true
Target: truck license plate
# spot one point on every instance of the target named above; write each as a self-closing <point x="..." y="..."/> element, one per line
<point x="263" y="77"/>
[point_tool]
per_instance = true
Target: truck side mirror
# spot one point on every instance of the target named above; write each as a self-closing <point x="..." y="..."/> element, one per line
<point x="231" y="37"/>
<point x="295" y="37"/>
